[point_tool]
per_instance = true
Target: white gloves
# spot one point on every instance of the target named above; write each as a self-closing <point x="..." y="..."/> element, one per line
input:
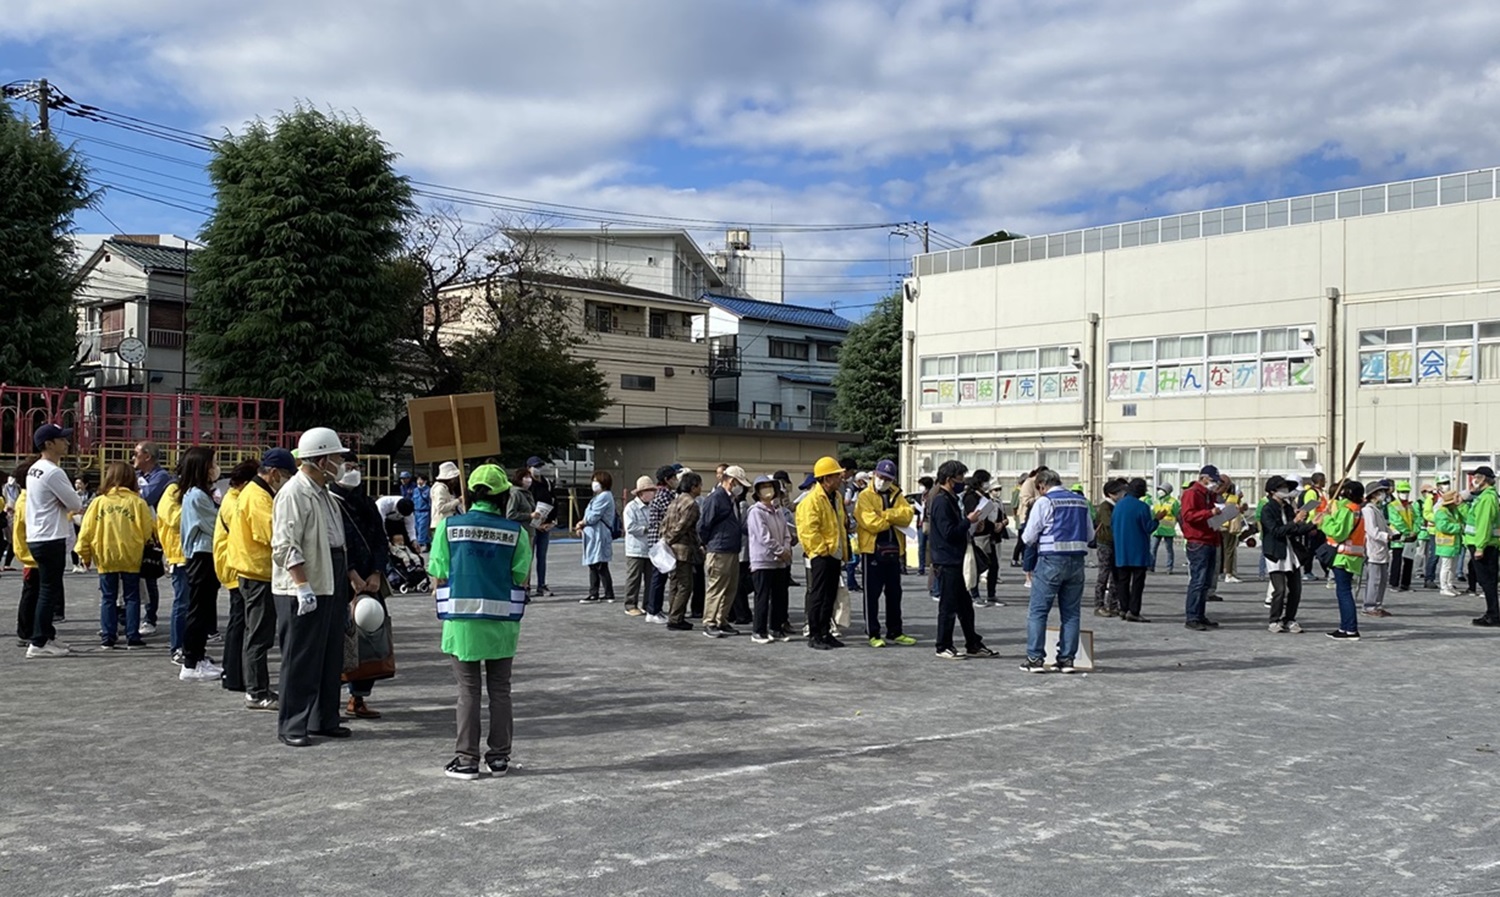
<point x="307" y="599"/>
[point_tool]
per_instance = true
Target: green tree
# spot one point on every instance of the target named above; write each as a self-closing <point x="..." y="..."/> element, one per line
<point x="868" y="382"/>
<point x="302" y="290"/>
<point x="42" y="184"/>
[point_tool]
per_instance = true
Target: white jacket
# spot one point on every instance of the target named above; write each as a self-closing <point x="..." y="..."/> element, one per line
<point x="1377" y="535"/>
<point x="636" y="545"/>
<point x="300" y="520"/>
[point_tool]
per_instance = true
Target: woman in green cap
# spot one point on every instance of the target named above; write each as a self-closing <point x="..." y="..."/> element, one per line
<point x="480" y="561"/>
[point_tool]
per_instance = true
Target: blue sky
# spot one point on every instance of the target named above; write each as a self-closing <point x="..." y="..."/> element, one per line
<point x="1023" y="114"/>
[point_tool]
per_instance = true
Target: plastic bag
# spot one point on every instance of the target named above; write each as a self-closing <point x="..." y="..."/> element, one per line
<point x="662" y="557"/>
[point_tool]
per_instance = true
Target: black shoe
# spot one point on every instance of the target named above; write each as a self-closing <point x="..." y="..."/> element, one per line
<point x="832" y="642"/>
<point x="138" y="643"/>
<point x="1135" y="618"/>
<point x="1195" y="625"/>
<point x="1064" y="666"/>
<point x="818" y="644"/>
<point x="1487" y="620"/>
<point x="336" y="732"/>
<point x="728" y="630"/>
<point x="461" y="768"/>
<point x="590" y="599"/>
<point x="499" y="766"/>
<point x="108" y="646"/>
<point x="680" y="626"/>
<point x="1213" y="598"/>
<point x="980" y="651"/>
<point x="1207" y="622"/>
<point x="1340" y="635"/>
<point x="295" y="740"/>
<point x="1033" y="665"/>
<point x="713" y="632"/>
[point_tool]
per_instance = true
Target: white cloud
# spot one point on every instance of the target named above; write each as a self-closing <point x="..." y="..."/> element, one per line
<point x="1021" y="114"/>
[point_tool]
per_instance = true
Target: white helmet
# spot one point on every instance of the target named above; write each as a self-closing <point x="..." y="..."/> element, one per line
<point x="318" y="442"/>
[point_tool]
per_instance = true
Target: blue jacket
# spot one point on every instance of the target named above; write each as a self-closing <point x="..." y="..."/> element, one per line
<point x="199" y="515"/>
<point x="598" y="517"/>
<point x="949" y="530"/>
<point x="719" y="526"/>
<point x="1133" y="524"/>
<point x="1060" y="524"/>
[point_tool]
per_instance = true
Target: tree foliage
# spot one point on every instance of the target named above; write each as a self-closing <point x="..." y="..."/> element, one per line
<point x="42" y="184"/>
<point x="489" y="320"/>
<point x="302" y="289"/>
<point x="868" y="382"/>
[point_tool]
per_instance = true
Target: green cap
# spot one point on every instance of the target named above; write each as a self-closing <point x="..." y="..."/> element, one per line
<point x="491" y="477"/>
<point x="1403" y="486"/>
<point x="1077" y="487"/>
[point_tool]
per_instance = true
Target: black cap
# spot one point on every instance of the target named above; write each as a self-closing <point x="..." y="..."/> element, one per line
<point x="48" y="432"/>
<point x="1486" y="472"/>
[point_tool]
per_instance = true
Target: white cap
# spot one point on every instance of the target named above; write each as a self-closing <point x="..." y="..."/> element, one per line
<point x="736" y="472"/>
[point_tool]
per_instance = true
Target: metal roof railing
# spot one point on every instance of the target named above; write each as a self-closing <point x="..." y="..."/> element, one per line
<point x="1399" y="196"/>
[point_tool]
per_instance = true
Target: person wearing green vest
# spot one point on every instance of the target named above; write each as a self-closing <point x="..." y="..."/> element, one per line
<point x="1482" y="534"/>
<point x="480" y="562"/>
<point x="1166" y="510"/>
<point x="1343" y="525"/>
<point x="1448" y="530"/>
<point x="1426" y="530"/>
<point x="1406" y="526"/>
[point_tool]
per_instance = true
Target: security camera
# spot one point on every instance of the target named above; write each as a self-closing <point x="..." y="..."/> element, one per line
<point x="911" y="289"/>
<point x="1307" y="335"/>
<point x="1075" y="357"/>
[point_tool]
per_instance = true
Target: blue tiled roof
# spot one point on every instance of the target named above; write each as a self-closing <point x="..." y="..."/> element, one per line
<point x="808" y="379"/>
<point x="779" y="313"/>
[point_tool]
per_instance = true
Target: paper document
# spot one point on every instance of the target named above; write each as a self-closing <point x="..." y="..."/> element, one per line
<point x="1309" y="505"/>
<point x="543" y="510"/>
<point x="909" y="531"/>
<point x="1226" y="514"/>
<point x="988" y="510"/>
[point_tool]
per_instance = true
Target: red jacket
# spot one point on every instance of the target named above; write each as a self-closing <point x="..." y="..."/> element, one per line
<point x="1197" y="507"/>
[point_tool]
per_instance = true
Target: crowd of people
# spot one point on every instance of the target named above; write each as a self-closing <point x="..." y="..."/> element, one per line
<point x="300" y="547"/>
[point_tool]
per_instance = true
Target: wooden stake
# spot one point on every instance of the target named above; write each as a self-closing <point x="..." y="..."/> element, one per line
<point x="458" y="449"/>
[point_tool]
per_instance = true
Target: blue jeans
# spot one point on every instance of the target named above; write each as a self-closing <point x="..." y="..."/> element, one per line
<point x="540" y="550"/>
<point x="1156" y="543"/>
<point x="1343" y="584"/>
<point x="152" y="600"/>
<point x="1058" y="578"/>
<point x="179" y="606"/>
<point x="110" y="586"/>
<point x="1202" y="571"/>
<point x="921" y="551"/>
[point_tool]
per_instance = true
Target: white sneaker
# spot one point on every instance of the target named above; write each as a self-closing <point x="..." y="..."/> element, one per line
<point x="147" y="629"/>
<point x="1232" y="578"/>
<point x="1294" y="626"/>
<point x="1274" y="627"/>
<point x="209" y="665"/>
<point x="655" y="618"/>
<point x="1447" y="594"/>
<point x="77" y="568"/>
<point x="51" y="649"/>
<point x="203" y="672"/>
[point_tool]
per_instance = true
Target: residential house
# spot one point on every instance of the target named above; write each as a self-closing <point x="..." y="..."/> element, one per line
<point x="136" y="287"/>
<point x="772" y="364"/>
<point x="662" y="261"/>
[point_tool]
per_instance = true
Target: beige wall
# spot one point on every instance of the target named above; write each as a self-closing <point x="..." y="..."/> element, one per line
<point x="638" y="455"/>
<point x="1426" y="266"/>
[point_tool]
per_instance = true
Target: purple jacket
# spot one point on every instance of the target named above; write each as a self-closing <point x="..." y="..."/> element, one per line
<point x="769" y="535"/>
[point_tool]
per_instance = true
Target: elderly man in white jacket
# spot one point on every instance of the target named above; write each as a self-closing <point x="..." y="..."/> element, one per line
<point x="310" y="584"/>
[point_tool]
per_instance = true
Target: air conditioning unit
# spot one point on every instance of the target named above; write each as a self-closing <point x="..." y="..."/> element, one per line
<point x="1304" y="455"/>
<point x="1113" y="458"/>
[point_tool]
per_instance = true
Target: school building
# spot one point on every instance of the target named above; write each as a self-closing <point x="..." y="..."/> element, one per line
<point x="1264" y="338"/>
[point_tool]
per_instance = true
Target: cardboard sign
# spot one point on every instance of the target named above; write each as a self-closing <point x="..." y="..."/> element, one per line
<point x="452" y="428"/>
<point x="1460" y="436"/>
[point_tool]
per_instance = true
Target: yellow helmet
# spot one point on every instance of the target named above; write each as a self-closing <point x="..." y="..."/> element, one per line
<point x="827" y="467"/>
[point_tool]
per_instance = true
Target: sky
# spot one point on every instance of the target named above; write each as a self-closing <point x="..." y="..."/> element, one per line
<point x="1029" y="115"/>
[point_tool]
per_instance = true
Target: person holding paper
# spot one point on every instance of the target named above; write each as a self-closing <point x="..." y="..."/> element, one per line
<point x="983" y="534"/>
<point x="882" y="518"/>
<point x="1284" y="529"/>
<point x="949" y="543"/>
<point x="480" y="563"/>
<point x="1200" y="531"/>
<point x="1060" y="528"/>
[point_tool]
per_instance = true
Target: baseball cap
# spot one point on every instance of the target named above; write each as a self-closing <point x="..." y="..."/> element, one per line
<point x="405" y="475"/>
<point x="535" y="461"/>
<point x="278" y="459"/>
<point x="736" y="472"/>
<point x="886" y="469"/>
<point x="491" y="477"/>
<point x="48" y="432"/>
<point x="1486" y="472"/>
<point x="808" y="483"/>
<point x="1211" y="472"/>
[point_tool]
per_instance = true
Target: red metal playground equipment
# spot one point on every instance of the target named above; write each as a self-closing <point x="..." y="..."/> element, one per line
<point x="107" y="425"/>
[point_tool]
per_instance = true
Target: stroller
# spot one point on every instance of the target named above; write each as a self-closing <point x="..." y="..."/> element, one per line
<point x="405" y="571"/>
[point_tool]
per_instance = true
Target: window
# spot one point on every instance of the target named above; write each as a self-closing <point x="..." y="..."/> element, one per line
<point x="111" y="326"/>
<point x="828" y="352"/>
<point x="658" y="325"/>
<point x="1016" y="461"/>
<point x="1195" y="364"/>
<point x="638" y="382"/>
<point x="820" y="413"/>
<point x="1429" y="354"/>
<point x="766" y="410"/>
<point x="1065" y="461"/>
<point x="165" y="325"/>
<point x="785" y="348"/>
<point x="1043" y="373"/>
<point x="599" y="318"/>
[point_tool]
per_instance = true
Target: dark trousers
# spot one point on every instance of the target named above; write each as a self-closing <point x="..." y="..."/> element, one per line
<point x="882" y="574"/>
<point x="1401" y="564"/>
<point x="496" y="680"/>
<point x="312" y="658"/>
<point x="1103" y="597"/>
<point x="954" y="601"/>
<point x="51" y="558"/>
<point x="234" y="644"/>
<point x="599" y="575"/>
<point x="539" y="551"/>
<point x="151" y="599"/>
<point x="260" y="635"/>
<point x="656" y="591"/>
<point x="822" y="591"/>
<point x="1017" y="552"/>
<point x="771" y="600"/>
<point x="1126" y="589"/>
<point x="700" y="589"/>
<point x="31" y="585"/>
<point x="989" y="569"/>
<point x="203" y="601"/>
<point x="1486" y="570"/>
<point x="1286" y="596"/>
<point x="638" y="572"/>
<point x="739" y="611"/>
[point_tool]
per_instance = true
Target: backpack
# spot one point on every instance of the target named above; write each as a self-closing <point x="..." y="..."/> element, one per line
<point x="616" y="531"/>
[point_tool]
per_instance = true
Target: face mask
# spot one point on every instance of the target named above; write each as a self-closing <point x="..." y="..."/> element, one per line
<point x="537" y="471"/>
<point x="767" y="494"/>
<point x="882" y="484"/>
<point x="1404" y="496"/>
<point x="1284" y="495"/>
<point x="737" y="491"/>
<point x="350" y="479"/>
<point x="330" y="467"/>
<point x="596" y="486"/>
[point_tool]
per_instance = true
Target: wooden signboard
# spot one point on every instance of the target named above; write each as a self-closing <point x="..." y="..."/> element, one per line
<point x="1460" y="436"/>
<point x="452" y="428"/>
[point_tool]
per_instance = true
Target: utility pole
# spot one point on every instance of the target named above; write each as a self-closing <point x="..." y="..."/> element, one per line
<point x="43" y="97"/>
<point x="926" y="237"/>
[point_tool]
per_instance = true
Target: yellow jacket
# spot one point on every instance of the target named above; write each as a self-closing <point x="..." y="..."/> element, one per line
<point x="18" y="533"/>
<point x="872" y="517"/>
<point x="224" y="569"/>
<point x="169" y="524"/>
<point x="115" y="530"/>
<point x="820" y="525"/>
<point x="250" y="532"/>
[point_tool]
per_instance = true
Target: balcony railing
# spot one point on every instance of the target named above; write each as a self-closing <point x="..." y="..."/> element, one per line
<point x="109" y="340"/>
<point x="165" y="339"/>
<point x="723" y="362"/>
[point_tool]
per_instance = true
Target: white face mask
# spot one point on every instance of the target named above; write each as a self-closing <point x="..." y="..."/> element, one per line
<point x="332" y="467"/>
<point x="1404" y="496"/>
<point x="350" y="479"/>
<point x="537" y="471"/>
<point x="1284" y="495"/>
<point x="882" y="484"/>
<point x="526" y="482"/>
<point x="596" y="486"/>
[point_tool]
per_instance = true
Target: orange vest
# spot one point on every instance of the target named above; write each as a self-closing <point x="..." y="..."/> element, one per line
<point x="1353" y="546"/>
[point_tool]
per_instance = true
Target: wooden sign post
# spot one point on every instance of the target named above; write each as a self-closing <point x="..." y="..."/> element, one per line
<point x="454" y="427"/>
<point x="1460" y="445"/>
